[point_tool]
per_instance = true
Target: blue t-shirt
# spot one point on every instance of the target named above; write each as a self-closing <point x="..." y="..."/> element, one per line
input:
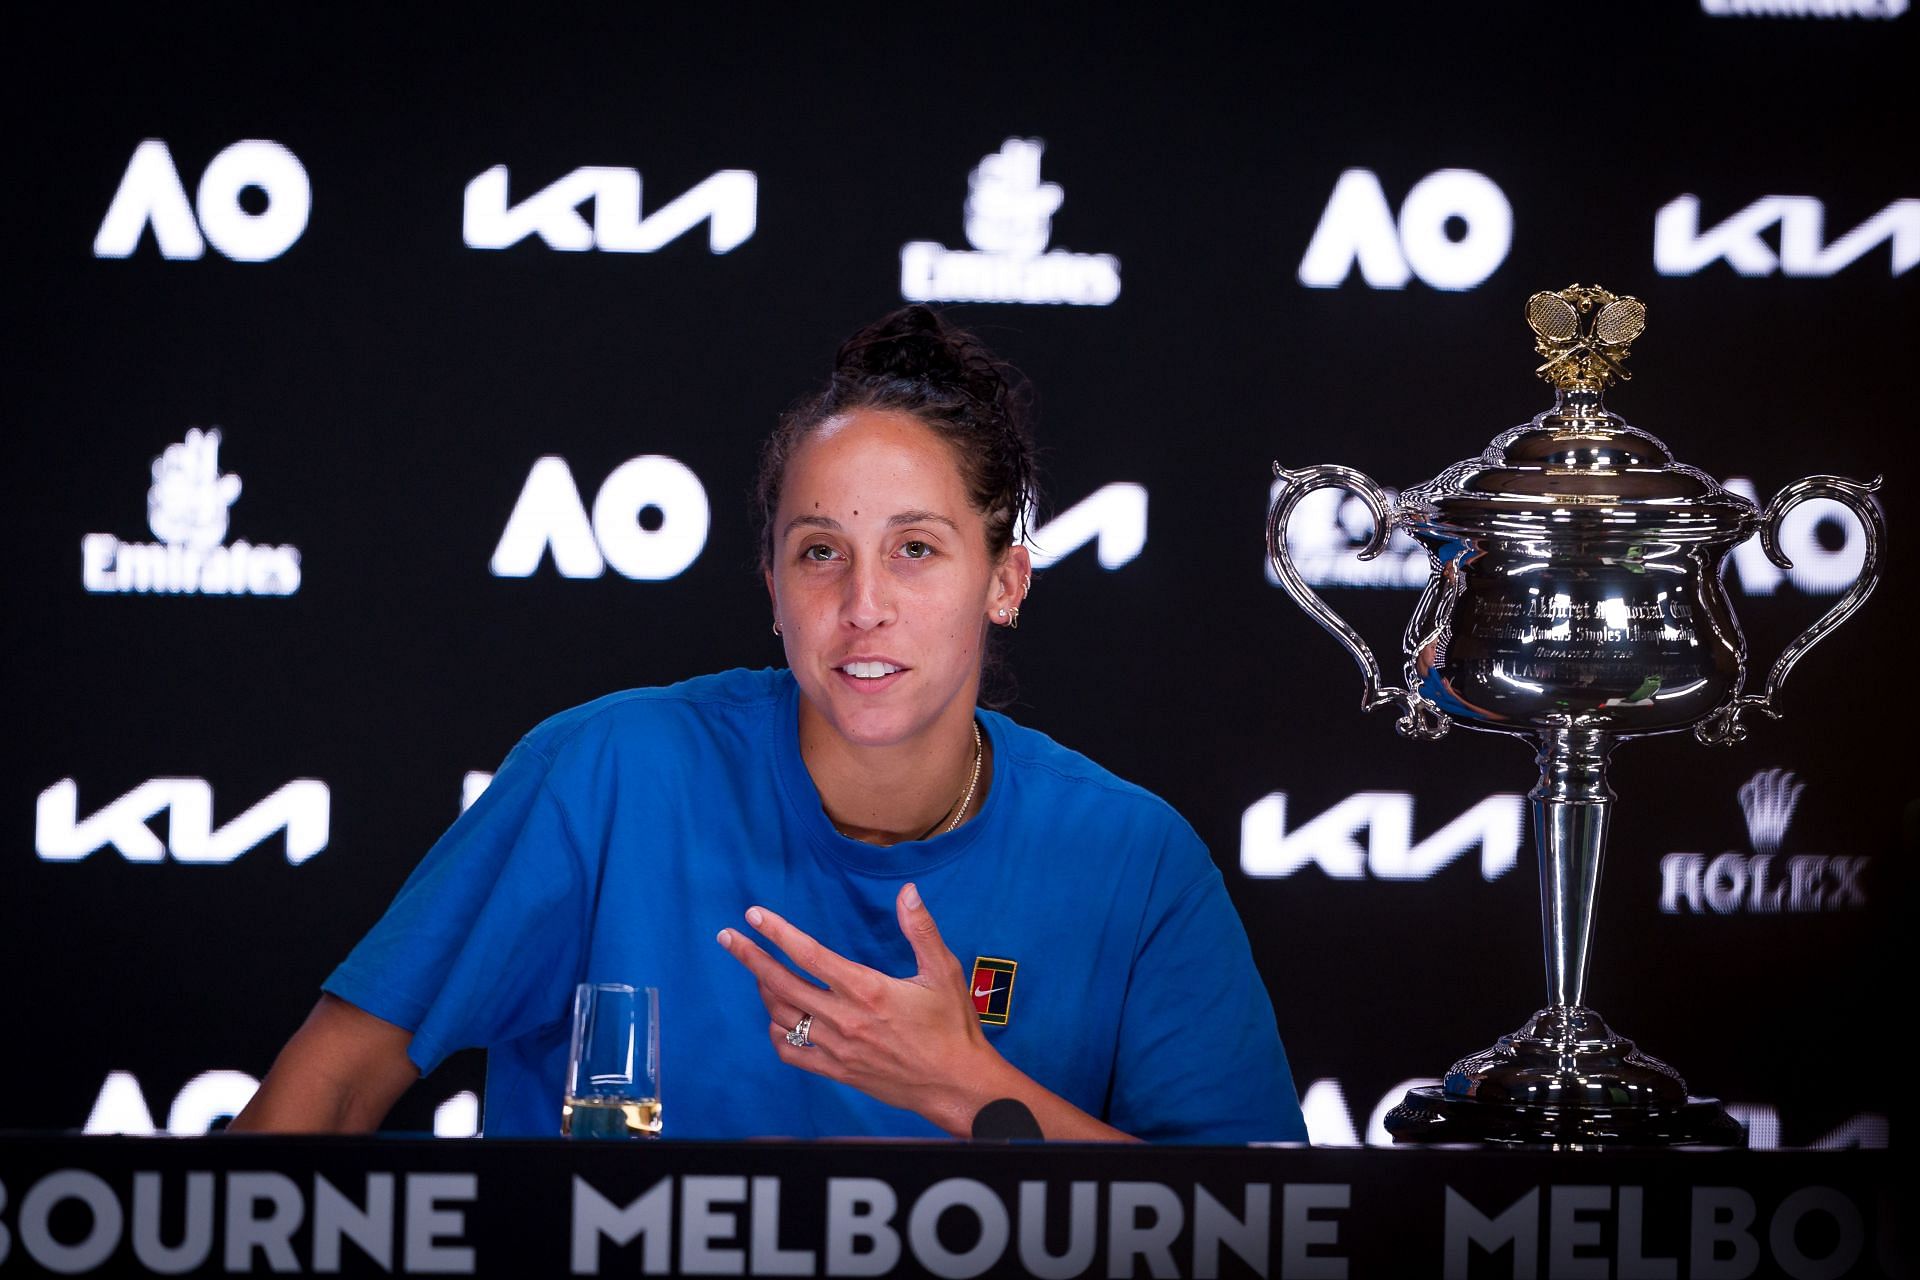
<point x="620" y="836"/>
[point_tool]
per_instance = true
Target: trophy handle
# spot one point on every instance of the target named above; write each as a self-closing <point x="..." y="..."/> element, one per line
<point x="1419" y="718"/>
<point x="1723" y="727"/>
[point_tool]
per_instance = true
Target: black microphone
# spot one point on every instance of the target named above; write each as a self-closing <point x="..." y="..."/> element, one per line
<point x="1006" y="1120"/>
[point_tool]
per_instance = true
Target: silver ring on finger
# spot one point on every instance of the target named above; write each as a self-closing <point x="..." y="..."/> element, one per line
<point x="798" y="1036"/>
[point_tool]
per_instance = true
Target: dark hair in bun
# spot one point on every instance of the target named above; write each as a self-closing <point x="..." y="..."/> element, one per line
<point x="914" y="362"/>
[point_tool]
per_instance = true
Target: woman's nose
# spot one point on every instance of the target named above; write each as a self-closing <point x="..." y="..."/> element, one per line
<point x="869" y="595"/>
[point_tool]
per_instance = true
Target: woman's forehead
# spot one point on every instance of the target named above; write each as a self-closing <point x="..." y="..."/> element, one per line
<point x="879" y="457"/>
<point x="871" y="425"/>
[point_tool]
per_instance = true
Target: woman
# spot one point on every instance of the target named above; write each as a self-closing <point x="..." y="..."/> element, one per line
<point x="848" y="796"/>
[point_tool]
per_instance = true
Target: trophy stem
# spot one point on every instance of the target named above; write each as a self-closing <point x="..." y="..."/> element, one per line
<point x="1571" y="807"/>
<point x="1565" y="1078"/>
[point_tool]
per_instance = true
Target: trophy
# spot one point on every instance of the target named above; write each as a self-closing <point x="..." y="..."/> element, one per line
<point x="1575" y="599"/>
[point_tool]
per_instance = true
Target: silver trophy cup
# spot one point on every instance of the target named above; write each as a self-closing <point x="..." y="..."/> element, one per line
<point x="1575" y="599"/>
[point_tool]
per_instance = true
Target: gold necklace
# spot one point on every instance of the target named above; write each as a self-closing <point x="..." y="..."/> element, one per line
<point x="972" y="782"/>
<point x="966" y="800"/>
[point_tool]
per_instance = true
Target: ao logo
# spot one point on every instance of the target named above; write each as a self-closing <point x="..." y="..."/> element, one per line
<point x="1818" y="569"/>
<point x="1326" y="534"/>
<point x="121" y="1108"/>
<point x="1333" y="840"/>
<point x="728" y="201"/>
<point x="1680" y="247"/>
<point x="1454" y="230"/>
<point x="301" y="808"/>
<point x="649" y="522"/>
<point x="151" y="192"/>
<point x="1331" y="1119"/>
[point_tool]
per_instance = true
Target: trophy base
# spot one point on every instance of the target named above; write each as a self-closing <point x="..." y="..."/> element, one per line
<point x="1564" y="1079"/>
<point x="1428" y="1115"/>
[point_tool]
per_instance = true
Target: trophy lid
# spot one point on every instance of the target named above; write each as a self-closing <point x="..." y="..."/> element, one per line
<point x="1578" y="462"/>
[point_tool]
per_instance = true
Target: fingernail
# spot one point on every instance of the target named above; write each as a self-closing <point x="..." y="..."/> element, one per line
<point x="724" y="937"/>
<point x="755" y="916"/>
<point x="911" y="896"/>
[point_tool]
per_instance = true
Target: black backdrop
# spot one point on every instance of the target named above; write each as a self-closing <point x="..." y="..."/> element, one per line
<point x="383" y="391"/>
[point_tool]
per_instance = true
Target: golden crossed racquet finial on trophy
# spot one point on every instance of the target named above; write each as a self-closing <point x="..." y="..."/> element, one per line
<point x="1584" y="330"/>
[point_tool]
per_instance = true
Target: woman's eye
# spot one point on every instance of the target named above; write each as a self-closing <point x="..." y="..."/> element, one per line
<point x="916" y="550"/>
<point x="818" y="551"/>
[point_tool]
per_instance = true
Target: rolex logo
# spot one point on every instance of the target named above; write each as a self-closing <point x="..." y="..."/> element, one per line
<point x="1763" y="882"/>
<point x="1769" y="799"/>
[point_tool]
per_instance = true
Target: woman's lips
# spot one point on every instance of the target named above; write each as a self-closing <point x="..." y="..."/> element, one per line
<point x="870" y="674"/>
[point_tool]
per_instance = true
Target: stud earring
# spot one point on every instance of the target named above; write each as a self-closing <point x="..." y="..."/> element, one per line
<point x="1003" y="613"/>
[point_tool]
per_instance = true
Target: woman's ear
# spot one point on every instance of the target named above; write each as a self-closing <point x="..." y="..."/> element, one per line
<point x="1012" y="580"/>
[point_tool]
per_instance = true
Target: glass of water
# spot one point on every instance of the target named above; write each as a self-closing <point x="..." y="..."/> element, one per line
<point x="613" y="1066"/>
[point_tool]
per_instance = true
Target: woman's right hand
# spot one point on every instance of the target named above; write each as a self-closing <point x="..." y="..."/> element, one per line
<point x="913" y="1043"/>
<point x="341" y="1073"/>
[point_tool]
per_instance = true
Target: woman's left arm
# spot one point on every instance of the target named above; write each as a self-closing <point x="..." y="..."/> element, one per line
<point x="913" y="1043"/>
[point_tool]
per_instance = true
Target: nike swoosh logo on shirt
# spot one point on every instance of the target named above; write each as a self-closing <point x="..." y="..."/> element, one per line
<point x="989" y="991"/>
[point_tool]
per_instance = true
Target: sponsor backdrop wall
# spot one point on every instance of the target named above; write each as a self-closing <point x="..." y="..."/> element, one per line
<point x="378" y="390"/>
